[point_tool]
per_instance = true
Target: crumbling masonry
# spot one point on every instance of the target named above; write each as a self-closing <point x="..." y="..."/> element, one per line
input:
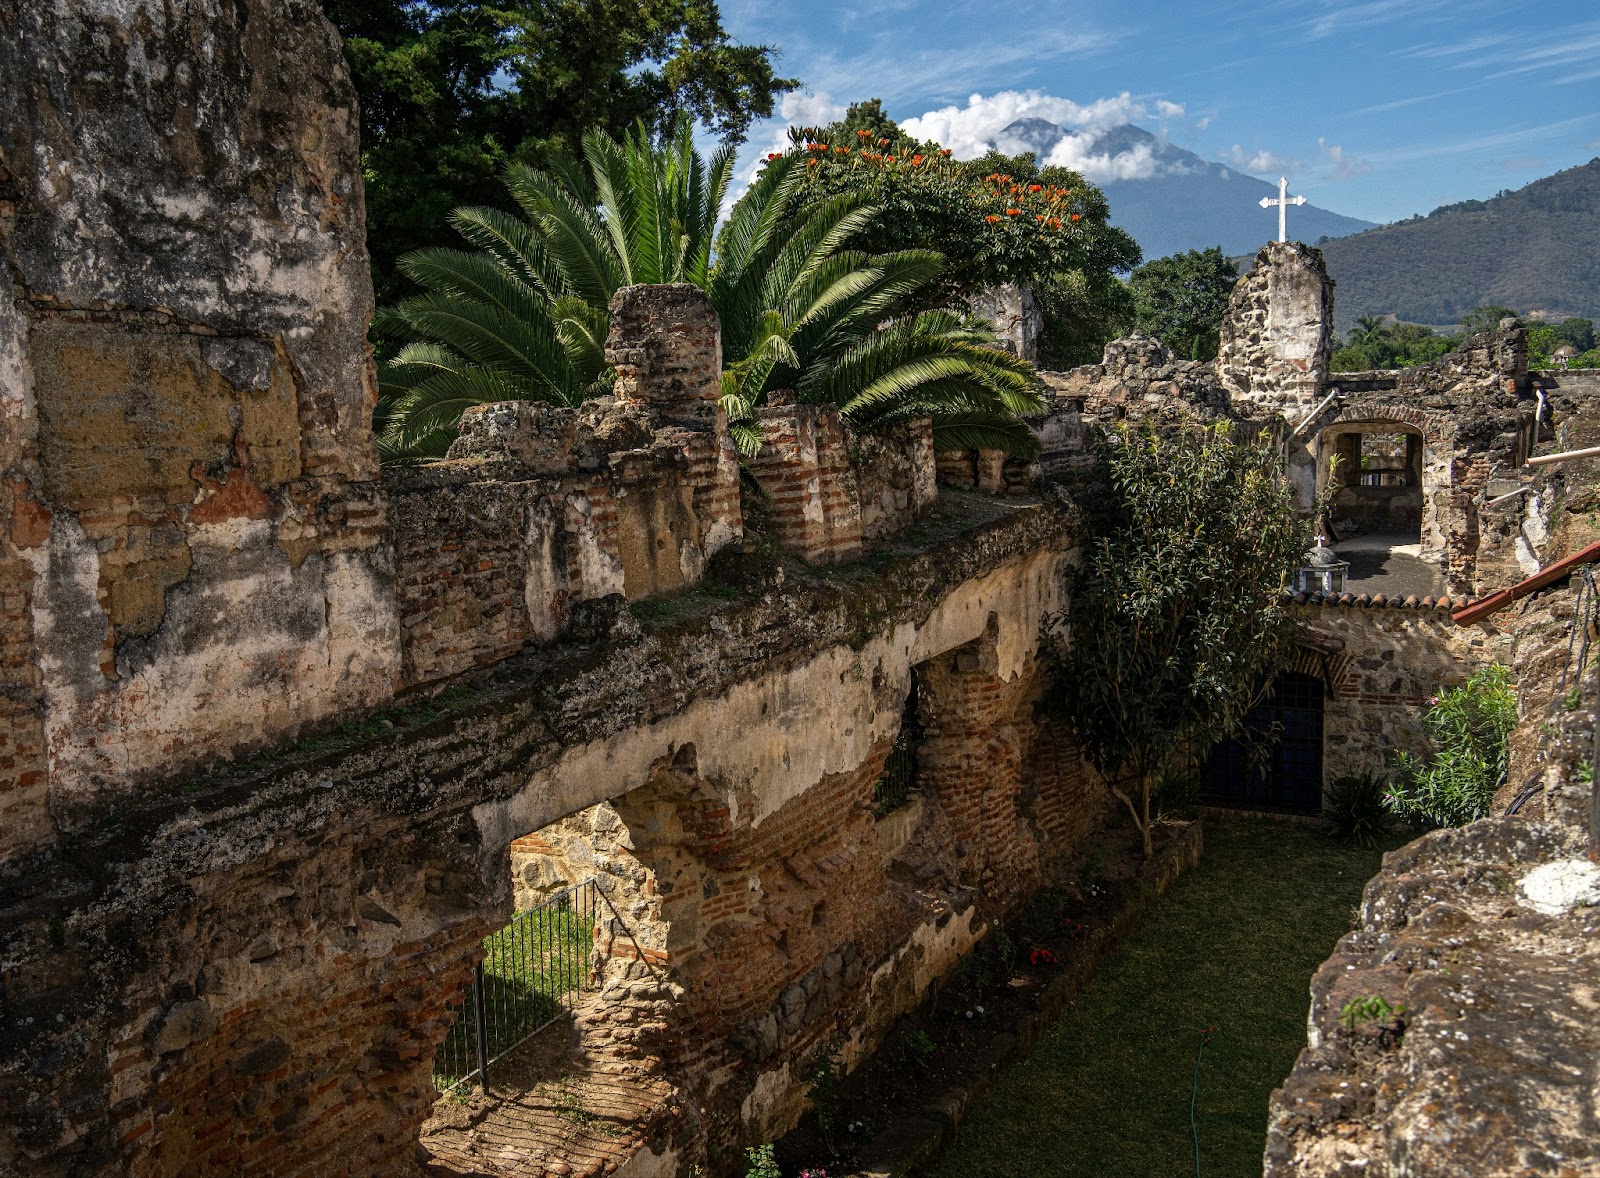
<point x="276" y="724"/>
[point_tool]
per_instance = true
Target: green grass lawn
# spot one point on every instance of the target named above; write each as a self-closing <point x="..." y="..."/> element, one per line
<point x="1233" y="946"/>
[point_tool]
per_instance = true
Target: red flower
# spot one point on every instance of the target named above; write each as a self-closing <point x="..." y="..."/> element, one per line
<point x="1013" y="212"/>
<point x="946" y="151"/>
<point x="916" y="159"/>
<point x="772" y="155"/>
<point x="1035" y="187"/>
<point x="862" y="134"/>
<point x="1075" y="217"/>
<point x="991" y="218"/>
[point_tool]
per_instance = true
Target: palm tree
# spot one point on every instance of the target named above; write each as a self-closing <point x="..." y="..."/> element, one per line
<point x="523" y="316"/>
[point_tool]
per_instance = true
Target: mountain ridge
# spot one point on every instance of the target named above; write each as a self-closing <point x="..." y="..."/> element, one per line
<point x="1187" y="202"/>
<point x="1535" y="249"/>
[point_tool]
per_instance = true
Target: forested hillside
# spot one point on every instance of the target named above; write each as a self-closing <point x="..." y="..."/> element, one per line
<point x="1536" y="249"/>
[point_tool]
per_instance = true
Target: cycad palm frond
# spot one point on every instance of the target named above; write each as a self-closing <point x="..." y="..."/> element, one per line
<point x="526" y="315"/>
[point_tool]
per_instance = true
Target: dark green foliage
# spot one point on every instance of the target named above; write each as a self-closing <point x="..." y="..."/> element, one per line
<point x="1470" y="726"/>
<point x="927" y="200"/>
<point x="1081" y="311"/>
<point x="1355" y="808"/>
<point x="1181" y="300"/>
<point x="1373" y="343"/>
<point x="1232" y="946"/>
<point x="454" y="90"/>
<point x="1178" y="611"/>
<point x="1536" y="247"/>
<point x="1488" y="318"/>
<point x="1578" y="333"/>
<point x="524" y="316"/>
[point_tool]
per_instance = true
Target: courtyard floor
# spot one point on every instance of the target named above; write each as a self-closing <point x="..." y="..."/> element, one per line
<point x="1389" y="564"/>
<point x="1233" y="947"/>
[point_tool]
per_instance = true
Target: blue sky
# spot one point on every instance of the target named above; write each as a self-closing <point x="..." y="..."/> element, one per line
<point x="1376" y="109"/>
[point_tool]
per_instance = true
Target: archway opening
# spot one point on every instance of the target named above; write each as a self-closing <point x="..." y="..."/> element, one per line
<point x="546" y="1061"/>
<point x="1275" y="764"/>
<point x="1378" y="474"/>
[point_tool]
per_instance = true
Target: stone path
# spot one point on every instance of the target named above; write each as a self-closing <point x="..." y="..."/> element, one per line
<point x="551" y="1112"/>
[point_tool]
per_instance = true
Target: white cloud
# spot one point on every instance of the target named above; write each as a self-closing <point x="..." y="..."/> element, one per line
<point x="975" y="128"/>
<point x="979" y="126"/>
<point x="795" y="110"/>
<point x="1261" y="161"/>
<point x="1137" y="163"/>
<point x="1344" y="166"/>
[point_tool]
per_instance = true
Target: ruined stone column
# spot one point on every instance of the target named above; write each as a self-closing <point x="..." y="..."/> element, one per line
<point x="194" y="558"/>
<point x="666" y="345"/>
<point x="1277" y="338"/>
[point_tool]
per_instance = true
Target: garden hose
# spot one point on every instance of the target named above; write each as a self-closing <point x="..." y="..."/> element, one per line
<point x="1194" y="1092"/>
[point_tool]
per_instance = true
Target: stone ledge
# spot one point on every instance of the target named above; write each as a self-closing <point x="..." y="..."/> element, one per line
<point x="1495" y="1069"/>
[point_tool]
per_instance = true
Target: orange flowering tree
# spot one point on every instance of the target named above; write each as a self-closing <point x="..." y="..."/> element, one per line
<point x="996" y="219"/>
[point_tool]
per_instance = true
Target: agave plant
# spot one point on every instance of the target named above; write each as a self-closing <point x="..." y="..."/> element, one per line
<point x="523" y="316"/>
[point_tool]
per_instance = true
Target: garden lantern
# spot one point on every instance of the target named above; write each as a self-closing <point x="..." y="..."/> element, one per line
<point x="1323" y="571"/>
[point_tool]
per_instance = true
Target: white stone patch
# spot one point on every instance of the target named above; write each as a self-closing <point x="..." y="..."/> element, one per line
<point x="1557" y="888"/>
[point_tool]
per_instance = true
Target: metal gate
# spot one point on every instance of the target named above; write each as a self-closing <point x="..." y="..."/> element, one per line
<point x="1278" y="766"/>
<point x="532" y="971"/>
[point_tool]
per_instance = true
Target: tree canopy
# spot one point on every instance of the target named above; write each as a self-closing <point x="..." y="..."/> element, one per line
<point x="524" y="316"/>
<point x="1181" y="299"/>
<point x="996" y="219"/>
<point x="1178" y="614"/>
<point x="454" y="91"/>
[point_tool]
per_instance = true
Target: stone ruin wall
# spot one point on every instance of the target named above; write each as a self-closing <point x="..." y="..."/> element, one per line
<point x="185" y="273"/>
<point x="1277" y="337"/>
<point x="225" y="952"/>
<point x="229" y="952"/>
<point x="1495" y="1067"/>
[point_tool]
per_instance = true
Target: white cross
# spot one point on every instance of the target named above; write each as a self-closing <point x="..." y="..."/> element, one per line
<point x="1283" y="202"/>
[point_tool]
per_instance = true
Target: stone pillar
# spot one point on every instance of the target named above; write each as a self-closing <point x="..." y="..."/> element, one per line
<point x="1014" y="314"/>
<point x="666" y="345"/>
<point x="1277" y="338"/>
<point x="195" y="556"/>
<point x="804" y="467"/>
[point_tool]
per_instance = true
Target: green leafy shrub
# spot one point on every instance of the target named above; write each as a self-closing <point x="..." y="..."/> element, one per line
<point x="763" y="1162"/>
<point x="1469" y="725"/>
<point x="1356" y="809"/>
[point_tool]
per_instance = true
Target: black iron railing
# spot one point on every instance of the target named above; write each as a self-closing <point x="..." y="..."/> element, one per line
<point x="899" y="778"/>
<point x="531" y="975"/>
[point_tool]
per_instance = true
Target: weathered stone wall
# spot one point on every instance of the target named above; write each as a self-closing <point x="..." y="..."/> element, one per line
<point x="1474" y="411"/>
<point x="830" y="490"/>
<point x="1138" y="378"/>
<point x="1014" y="314"/>
<point x="540" y="507"/>
<point x="1277" y="337"/>
<point x="1393" y="658"/>
<point x="1487" y="937"/>
<point x="896" y="477"/>
<point x="315" y="917"/>
<point x="193" y="533"/>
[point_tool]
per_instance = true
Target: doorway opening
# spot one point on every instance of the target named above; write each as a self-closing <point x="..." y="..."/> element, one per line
<point x="1276" y="764"/>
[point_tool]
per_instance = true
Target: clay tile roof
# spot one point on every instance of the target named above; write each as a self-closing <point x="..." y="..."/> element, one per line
<point x="1380" y="601"/>
<point x="1467" y="613"/>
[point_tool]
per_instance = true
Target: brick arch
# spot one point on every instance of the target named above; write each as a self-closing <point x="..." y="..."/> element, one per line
<point x="1361" y="413"/>
<point x="1319" y="664"/>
